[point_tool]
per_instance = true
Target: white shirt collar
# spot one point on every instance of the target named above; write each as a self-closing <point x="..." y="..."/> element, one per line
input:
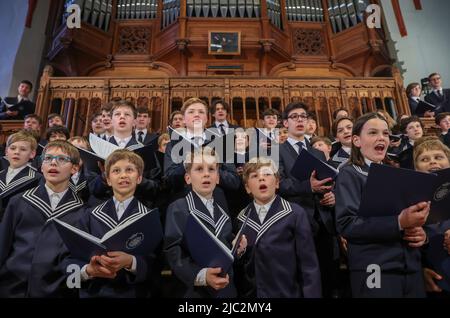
<point x="308" y="136"/>
<point x="346" y="149"/>
<point x="368" y="162"/>
<point x="190" y="135"/>
<point x="12" y="173"/>
<point x="267" y="206"/>
<point x="126" y="203"/>
<point x="122" y="142"/>
<point x="143" y="130"/>
<point x="224" y="123"/>
<point x="205" y="201"/>
<point x="294" y="142"/>
<point x="16" y="170"/>
<point x="21" y="98"/>
<point x="59" y="195"/>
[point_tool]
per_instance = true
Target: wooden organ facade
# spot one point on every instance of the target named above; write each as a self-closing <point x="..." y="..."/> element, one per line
<point x="154" y="53"/>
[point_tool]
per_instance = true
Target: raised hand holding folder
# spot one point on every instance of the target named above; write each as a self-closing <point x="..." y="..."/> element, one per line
<point x="306" y="163"/>
<point x="139" y="235"/>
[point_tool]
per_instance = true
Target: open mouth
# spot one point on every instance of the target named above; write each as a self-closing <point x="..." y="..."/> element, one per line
<point x="53" y="171"/>
<point x="262" y="187"/>
<point x="206" y="183"/>
<point x="380" y="148"/>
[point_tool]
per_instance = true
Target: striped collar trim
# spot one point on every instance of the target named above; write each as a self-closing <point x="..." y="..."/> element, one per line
<point x="261" y="229"/>
<point x="207" y="218"/>
<point x="46" y="209"/>
<point x="4" y="188"/>
<point x="110" y="222"/>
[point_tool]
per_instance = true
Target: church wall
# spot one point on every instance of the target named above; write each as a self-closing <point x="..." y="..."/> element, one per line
<point x="11" y="26"/>
<point x="426" y="48"/>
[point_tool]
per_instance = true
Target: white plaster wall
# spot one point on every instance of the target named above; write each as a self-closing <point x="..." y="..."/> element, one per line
<point x="426" y="48"/>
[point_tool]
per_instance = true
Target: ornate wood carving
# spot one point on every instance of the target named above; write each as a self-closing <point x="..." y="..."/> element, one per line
<point x="134" y="40"/>
<point x="308" y="42"/>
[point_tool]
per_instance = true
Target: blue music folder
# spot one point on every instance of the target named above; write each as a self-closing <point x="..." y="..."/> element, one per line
<point x="205" y="248"/>
<point x="138" y="236"/>
<point x="389" y="190"/>
<point x="306" y="163"/>
<point x="440" y="204"/>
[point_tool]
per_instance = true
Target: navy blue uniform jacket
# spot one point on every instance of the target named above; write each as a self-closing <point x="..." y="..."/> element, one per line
<point x="31" y="250"/>
<point x="280" y="260"/>
<point x="177" y="252"/>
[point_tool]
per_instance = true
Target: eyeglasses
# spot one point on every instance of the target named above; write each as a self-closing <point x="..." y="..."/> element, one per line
<point x="60" y="160"/>
<point x="296" y="117"/>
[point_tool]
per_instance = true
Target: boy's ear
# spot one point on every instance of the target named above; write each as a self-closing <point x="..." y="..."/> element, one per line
<point x="139" y="179"/>
<point x="285" y="123"/>
<point x="247" y="189"/>
<point x="187" y="178"/>
<point x="33" y="154"/>
<point x="356" y="141"/>
<point x="277" y="183"/>
<point x="75" y="169"/>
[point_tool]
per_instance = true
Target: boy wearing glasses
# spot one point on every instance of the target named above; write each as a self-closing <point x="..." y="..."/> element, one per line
<point x="313" y="195"/>
<point x="30" y="246"/>
<point x="19" y="176"/>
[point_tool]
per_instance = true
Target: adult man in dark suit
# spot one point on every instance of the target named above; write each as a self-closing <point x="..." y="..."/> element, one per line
<point x="142" y="122"/>
<point x="22" y="106"/>
<point x="439" y="97"/>
<point x="313" y="195"/>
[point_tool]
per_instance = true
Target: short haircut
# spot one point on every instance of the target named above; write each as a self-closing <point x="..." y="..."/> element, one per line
<point x="95" y="115"/>
<point x="144" y="110"/>
<point x="57" y="130"/>
<point x="27" y="82"/>
<point x="336" y="111"/>
<point x="223" y="103"/>
<point x="291" y="106"/>
<point x="336" y="123"/>
<point x="53" y="115"/>
<point x="125" y="104"/>
<point x="440" y="117"/>
<point x="191" y="101"/>
<point x="429" y="143"/>
<point x="124" y="154"/>
<point x="34" y="116"/>
<point x="23" y="135"/>
<point x="173" y="114"/>
<point x="254" y="164"/>
<point x="107" y="107"/>
<point x="406" y="121"/>
<point x="162" y="138"/>
<point x="410" y="87"/>
<point x="202" y="153"/>
<point x="312" y="116"/>
<point x="80" y="139"/>
<point x="66" y="148"/>
<point x="325" y="140"/>
<point x="432" y="75"/>
<point x="271" y="112"/>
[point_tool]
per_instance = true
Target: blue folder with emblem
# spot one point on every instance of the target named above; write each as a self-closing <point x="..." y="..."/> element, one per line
<point x="139" y="235"/>
<point x="205" y="248"/>
<point x="389" y="190"/>
<point x="306" y="163"/>
<point x="440" y="203"/>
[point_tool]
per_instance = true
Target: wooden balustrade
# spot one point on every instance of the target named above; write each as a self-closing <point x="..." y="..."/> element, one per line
<point x="77" y="98"/>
